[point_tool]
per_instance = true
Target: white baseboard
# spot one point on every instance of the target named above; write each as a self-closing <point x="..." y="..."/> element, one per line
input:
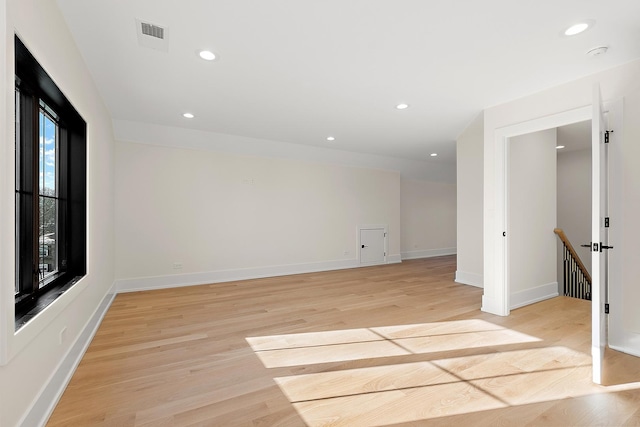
<point x="624" y="349"/>
<point x="533" y="295"/>
<point x="491" y="305"/>
<point x="190" y="279"/>
<point x="51" y="393"/>
<point x="428" y="253"/>
<point x="394" y="259"/>
<point x="472" y="279"/>
<point x="624" y="340"/>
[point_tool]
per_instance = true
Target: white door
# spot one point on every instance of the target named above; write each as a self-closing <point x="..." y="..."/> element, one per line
<point x="599" y="245"/>
<point x="623" y="333"/>
<point x="372" y="246"/>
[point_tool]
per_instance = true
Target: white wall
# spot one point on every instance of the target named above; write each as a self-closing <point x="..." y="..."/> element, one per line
<point x="469" y="152"/>
<point x="171" y="136"/>
<point x="30" y="376"/>
<point x="574" y="203"/>
<point x="532" y="217"/>
<point x="226" y="216"/>
<point x="428" y="218"/>
<point x="616" y="83"/>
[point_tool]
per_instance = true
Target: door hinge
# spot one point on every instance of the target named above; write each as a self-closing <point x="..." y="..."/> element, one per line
<point x="606" y="222"/>
<point x="596" y="248"/>
<point x="606" y="136"/>
<point x="606" y="308"/>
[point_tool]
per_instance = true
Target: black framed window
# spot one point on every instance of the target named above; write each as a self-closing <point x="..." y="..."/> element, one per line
<point x="50" y="189"/>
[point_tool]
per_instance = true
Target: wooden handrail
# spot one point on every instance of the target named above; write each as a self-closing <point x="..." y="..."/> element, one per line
<point x="575" y="256"/>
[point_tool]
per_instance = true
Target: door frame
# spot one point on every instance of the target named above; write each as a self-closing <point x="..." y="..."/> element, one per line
<point x="496" y="301"/>
<point x="372" y="227"/>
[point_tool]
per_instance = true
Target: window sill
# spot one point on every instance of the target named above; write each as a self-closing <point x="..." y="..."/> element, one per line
<point x="42" y="302"/>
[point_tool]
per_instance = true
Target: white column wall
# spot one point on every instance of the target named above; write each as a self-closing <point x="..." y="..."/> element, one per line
<point x="469" y="153"/>
<point x="428" y="218"/>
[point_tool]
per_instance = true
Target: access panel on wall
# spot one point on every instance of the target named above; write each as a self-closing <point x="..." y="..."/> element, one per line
<point x="372" y="245"/>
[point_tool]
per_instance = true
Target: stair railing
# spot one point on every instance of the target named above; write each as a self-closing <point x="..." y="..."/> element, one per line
<point x="577" y="280"/>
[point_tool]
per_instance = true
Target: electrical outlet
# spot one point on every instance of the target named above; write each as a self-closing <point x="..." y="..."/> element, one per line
<point x="177" y="266"/>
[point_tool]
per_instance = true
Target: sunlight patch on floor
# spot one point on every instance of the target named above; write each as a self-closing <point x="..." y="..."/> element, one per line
<point x="513" y="362"/>
<point x="436" y="328"/>
<point x="501" y="376"/>
<point x="362" y="380"/>
<point x="395" y="393"/>
<point x="312" y="339"/>
<point x="368" y="343"/>
<point x="330" y="353"/>
<point x="397" y="406"/>
<point x="391" y="394"/>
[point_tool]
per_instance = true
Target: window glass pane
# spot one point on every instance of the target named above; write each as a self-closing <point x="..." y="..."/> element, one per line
<point x="47" y="238"/>
<point x="17" y="178"/>
<point x="48" y="143"/>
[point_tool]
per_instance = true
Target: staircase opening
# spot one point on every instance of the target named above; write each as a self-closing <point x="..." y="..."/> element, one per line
<point x="576" y="278"/>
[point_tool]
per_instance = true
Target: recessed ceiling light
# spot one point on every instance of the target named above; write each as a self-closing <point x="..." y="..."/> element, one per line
<point x="188" y="115"/>
<point x="579" y="27"/>
<point x="576" y="29"/>
<point x="330" y="138"/>
<point x="207" y="55"/>
<point x="559" y="147"/>
<point x="434" y="154"/>
<point x="402" y="106"/>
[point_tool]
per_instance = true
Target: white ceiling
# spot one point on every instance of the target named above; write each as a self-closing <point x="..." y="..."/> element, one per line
<point x="298" y="71"/>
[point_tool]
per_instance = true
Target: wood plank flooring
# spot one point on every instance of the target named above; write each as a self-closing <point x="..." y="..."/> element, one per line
<point x="393" y="345"/>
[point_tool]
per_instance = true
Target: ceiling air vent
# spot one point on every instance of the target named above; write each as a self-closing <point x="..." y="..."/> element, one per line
<point x="152" y="35"/>
<point x="152" y="30"/>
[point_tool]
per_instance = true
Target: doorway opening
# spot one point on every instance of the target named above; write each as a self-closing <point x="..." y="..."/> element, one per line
<point x="574" y="204"/>
<point x="497" y="300"/>
<point x="548" y="187"/>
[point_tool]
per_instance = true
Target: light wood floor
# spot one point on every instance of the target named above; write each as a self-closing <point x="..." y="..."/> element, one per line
<point x="399" y="345"/>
